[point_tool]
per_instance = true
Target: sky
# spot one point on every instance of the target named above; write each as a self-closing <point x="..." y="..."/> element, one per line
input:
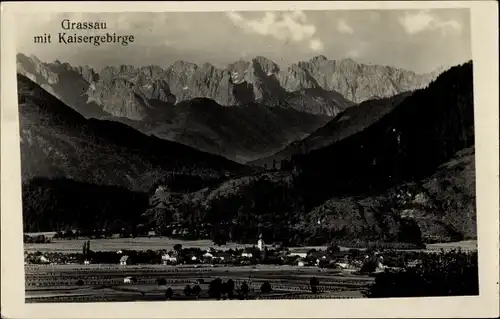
<point x="417" y="40"/>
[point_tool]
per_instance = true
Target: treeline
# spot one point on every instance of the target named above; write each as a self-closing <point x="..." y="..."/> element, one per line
<point x="451" y="273"/>
<point x="270" y="205"/>
<point x="56" y="204"/>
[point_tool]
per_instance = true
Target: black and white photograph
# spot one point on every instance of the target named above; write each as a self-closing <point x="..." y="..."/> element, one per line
<point x="247" y="155"/>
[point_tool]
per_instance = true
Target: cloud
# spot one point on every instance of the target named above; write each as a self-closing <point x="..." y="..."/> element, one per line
<point x="343" y="27"/>
<point x="282" y="26"/>
<point x="316" y="45"/>
<point x="414" y="23"/>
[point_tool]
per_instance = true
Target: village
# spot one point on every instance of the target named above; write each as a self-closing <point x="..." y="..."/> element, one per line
<point x="155" y="268"/>
<point x="332" y="257"/>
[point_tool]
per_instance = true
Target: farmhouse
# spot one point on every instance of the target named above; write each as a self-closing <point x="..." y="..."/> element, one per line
<point x="168" y="259"/>
<point x="44" y="259"/>
<point x="124" y="260"/>
<point x="151" y="233"/>
<point x="129" y="280"/>
<point x="223" y="255"/>
<point x="247" y="253"/>
<point x="296" y="254"/>
<point x="208" y="255"/>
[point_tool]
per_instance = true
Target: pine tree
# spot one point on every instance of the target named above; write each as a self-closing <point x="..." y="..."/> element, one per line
<point x="84" y="249"/>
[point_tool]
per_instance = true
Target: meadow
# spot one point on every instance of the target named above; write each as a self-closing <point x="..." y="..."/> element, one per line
<point x="52" y="283"/>
<point x="158" y="243"/>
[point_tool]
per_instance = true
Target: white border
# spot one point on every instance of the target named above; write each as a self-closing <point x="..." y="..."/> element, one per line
<point x="484" y="24"/>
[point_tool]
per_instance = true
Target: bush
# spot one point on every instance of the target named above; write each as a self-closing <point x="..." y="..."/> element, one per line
<point x="215" y="288"/>
<point x="188" y="291"/>
<point x="244" y="289"/>
<point x="314" y="282"/>
<point x="196" y="290"/>
<point x="266" y="287"/>
<point x="161" y="281"/>
<point x="369" y="266"/>
<point x="229" y="288"/>
<point x="169" y="293"/>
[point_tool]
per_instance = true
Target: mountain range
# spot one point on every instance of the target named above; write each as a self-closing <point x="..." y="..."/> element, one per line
<point x="152" y="99"/>
<point x="406" y="174"/>
<point x="384" y="167"/>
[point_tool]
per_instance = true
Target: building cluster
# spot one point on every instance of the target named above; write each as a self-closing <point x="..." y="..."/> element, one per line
<point x="352" y="260"/>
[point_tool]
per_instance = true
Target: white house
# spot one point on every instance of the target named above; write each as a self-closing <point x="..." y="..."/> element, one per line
<point x="123" y="260"/>
<point x="44" y="259"/>
<point x="86" y="262"/>
<point x="208" y="255"/>
<point x="342" y="265"/>
<point x="300" y="263"/>
<point x="127" y="280"/>
<point x="168" y="259"/>
<point x="301" y="255"/>
<point x="246" y="254"/>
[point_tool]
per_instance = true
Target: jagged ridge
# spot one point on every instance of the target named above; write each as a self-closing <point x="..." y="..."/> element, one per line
<point x="317" y="86"/>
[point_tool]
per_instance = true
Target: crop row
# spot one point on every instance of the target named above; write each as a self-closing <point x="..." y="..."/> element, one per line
<point x="304" y="297"/>
<point x="98" y="282"/>
<point x="75" y="277"/>
<point x="116" y="269"/>
<point x="277" y="287"/>
<point x="308" y="288"/>
<point x="91" y="298"/>
<point x="106" y="276"/>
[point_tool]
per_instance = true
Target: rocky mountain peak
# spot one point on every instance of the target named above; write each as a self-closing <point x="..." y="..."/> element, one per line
<point x="318" y="58"/>
<point x="316" y="85"/>
<point x="152" y="71"/>
<point x="88" y="73"/>
<point x="267" y="66"/>
<point x="180" y="66"/>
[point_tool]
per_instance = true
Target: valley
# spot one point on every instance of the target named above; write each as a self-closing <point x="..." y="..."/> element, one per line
<point x="379" y="192"/>
<point x="343" y="192"/>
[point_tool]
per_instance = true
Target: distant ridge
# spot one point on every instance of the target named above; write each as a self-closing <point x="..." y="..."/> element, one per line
<point x="318" y="86"/>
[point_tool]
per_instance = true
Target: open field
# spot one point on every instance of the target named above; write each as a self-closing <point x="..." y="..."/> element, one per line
<point x="138" y="243"/>
<point x="157" y="243"/>
<point x="56" y="283"/>
<point x="466" y="245"/>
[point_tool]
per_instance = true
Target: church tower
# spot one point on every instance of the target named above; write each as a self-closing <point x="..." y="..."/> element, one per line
<point x="260" y="243"/>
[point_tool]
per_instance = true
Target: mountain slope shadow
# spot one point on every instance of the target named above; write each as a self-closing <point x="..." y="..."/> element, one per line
<point x="410" y="142"/>
<point x="354" y="119"/>
<point x="58" y="142"/>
